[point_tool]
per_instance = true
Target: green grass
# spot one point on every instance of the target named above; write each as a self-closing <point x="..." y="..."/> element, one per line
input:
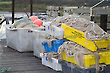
<point x="19" y="7"/>
<point x="5" y="6"/>
<point x="5" y="3"/>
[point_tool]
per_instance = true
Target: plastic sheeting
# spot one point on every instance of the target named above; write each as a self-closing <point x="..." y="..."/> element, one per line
<point x="3" y="32"/>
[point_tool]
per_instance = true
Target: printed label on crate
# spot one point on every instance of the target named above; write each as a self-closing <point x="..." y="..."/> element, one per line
<point x="75" y="35"/>
<point x="79" y="37"/>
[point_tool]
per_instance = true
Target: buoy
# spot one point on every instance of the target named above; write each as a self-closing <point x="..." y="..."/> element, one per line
<point x="33" y="18"/>
<point x="38" y="22"/>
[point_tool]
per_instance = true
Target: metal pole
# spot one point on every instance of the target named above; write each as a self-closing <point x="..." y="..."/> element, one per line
<point x="13" y="4"/>
<point x="103" y="21"/>
<point x="91" y="9"/>
<point x="31" y="7"/>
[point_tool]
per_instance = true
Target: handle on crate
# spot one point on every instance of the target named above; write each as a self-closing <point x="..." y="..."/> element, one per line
<point x="14" y="30"/>
<point x="101" y="67"/>
<point x="30" y="31"/>
<point x="108" y="47"/>
<point x="98" y="47"/>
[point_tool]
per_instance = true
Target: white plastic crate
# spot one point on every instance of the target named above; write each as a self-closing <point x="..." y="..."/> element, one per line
<point x="20" y="39"/>
<point x="39" y="37"/>
<point x="53" y="63"/>
<point x="55" y="31"/>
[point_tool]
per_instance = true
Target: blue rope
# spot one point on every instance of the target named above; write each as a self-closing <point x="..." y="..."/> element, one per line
<point x="4" y="70"/>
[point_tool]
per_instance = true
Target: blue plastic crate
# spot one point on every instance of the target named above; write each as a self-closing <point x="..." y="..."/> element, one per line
<point x="54" y="45"/>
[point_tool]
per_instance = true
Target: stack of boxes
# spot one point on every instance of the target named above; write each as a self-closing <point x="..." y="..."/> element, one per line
<point x="100" y="51"/>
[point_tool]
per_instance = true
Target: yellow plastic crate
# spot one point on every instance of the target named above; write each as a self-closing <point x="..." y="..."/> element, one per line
<point x="89" y="60"/>
<point x="79" y="37"/>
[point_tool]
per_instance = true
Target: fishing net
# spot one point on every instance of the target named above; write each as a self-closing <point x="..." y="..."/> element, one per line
<point x="23" y="23"/>
<point x="92" y="31"/>
<point x="77" y="52"/>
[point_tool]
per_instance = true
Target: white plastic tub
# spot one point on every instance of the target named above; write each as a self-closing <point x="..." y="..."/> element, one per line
<point x="20" y="39"/>
<point x="52" y="64"/>
<point x="55" y="31"/>
<point x="39" y="37"/>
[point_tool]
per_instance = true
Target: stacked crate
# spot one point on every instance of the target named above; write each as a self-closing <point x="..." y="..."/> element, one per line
<point x="99" y="50"/>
